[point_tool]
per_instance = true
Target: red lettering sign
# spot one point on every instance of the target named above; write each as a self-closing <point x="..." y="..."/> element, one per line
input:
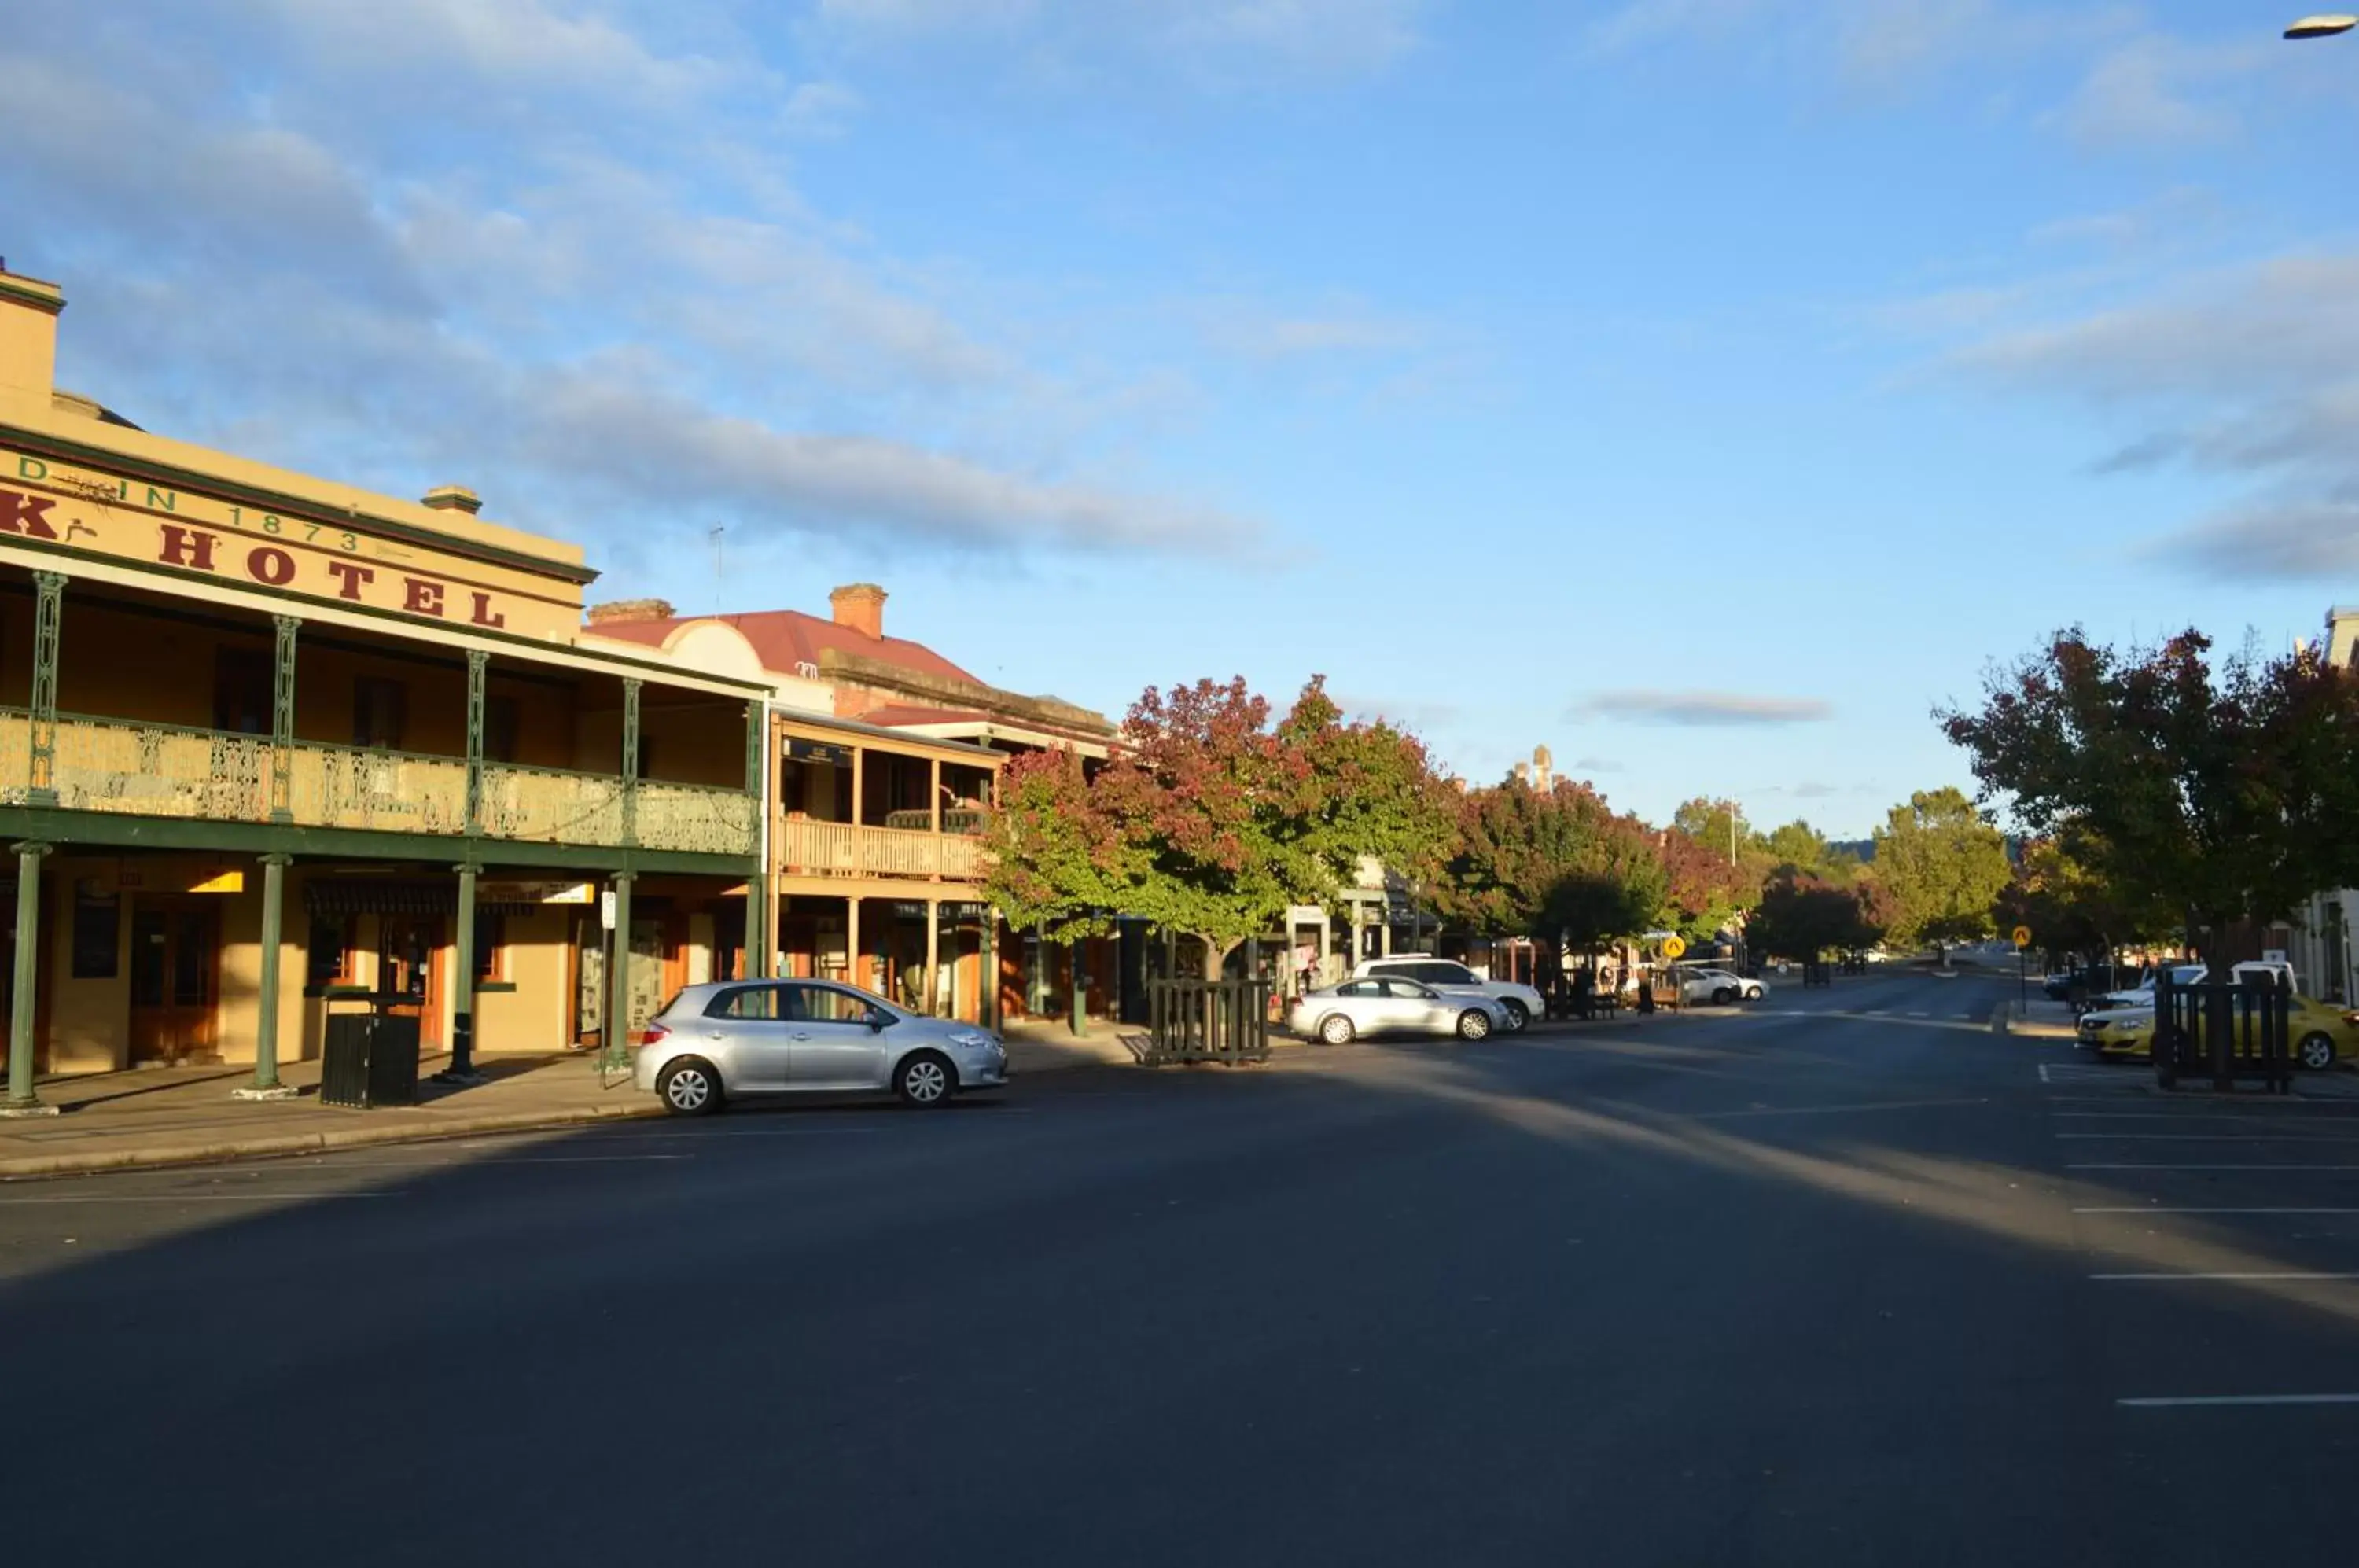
<point x="188" y="547"/>
<point x="23" y="513"/>
<point x="350" y="574"/>
<point x="423" y="597"/>
<point x="268" y="564"/>
<point x="483" y="616"/>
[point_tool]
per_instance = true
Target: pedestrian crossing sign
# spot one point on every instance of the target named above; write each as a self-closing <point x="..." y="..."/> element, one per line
<point x="2022" y="936"/>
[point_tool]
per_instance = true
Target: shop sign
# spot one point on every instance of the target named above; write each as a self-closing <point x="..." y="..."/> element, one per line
<point x="532" y="892"/>
<point x="826" y="753"/>
<point x="93" y="513"/>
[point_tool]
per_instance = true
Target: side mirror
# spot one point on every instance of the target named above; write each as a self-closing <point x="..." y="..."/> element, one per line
<point x="877" y="1021"/>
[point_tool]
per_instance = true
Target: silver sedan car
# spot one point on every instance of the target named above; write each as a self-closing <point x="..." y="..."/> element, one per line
<point x="716" y="1042"/>
<point x="1339" y="1014"/>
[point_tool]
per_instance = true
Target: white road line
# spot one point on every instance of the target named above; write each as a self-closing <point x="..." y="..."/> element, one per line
<point x="2161" y="1279"/>
<point x="189" y="1198"/>
<point x="332" y="1162"/>
<point x="1921" y="1015"/>
<point x="2223" y="1401"/>
<point x="1827" y="1110"/>
<point x="2190" y="1138"/>
<point x="2324" y="1117"/>
<point x="2275" y="1166"/>
<point x="2133" y="1209"/>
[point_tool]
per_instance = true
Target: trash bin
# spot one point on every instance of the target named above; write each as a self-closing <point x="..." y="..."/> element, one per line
<point x="370" y="1057"/>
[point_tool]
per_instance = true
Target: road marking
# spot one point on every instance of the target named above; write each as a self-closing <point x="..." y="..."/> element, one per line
<point x="1921" y="1015"/>
<point x="2279" y="1166"/>
<point x="2219" y="1401"/>
<point x="2156" y="1278"/>
<point x="2324" y="1116"/>
<point x="189" y="1198"/>
<point x="2190" y="1138"/>
<point x="328" y="1160"/>
<point x="1828" y="1110"/>
<point x="2133" y="1209"/>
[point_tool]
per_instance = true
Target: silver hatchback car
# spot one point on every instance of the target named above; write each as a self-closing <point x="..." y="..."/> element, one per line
<point x="716" y="1042"/>
<point x="1341" y="1013"/>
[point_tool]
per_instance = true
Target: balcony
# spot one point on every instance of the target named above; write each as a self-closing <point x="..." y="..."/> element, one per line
<point x="164" y="770"/>
<point x="807" y="848"/>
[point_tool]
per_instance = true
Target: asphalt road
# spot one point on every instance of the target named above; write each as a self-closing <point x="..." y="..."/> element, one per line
<point x="1846" y="1280"/>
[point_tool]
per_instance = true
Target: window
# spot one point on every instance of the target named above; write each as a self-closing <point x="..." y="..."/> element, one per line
<point x="491" y="947"/>
<point x="1446" y="975"/>
<point x="379" y="708"/>
<point x="328" y="957"/>
<point x="97" y="931"/>
<point x="500" y="716"/>
<point x="824" y="1005"/>
<point x="1360" y="988"/>
<point x="756" y="1002"/>
<point x="1407" y="989"/>
<point x="241" y="701"/>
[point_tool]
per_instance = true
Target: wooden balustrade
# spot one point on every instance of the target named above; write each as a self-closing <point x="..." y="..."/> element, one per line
<point x="808" y="848"/>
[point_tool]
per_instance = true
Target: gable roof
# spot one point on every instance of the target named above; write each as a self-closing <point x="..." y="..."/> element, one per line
<point x="785" y="639"/>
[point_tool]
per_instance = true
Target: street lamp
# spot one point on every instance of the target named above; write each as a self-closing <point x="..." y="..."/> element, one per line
<point x="2324" y="27"/>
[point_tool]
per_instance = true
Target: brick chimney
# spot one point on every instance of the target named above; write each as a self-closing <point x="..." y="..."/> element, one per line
<point x="861" y="606"/>
<point x="627" y="610"/>
<point x="28" y="337"/>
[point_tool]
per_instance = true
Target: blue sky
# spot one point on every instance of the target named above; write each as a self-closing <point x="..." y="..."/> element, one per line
<point x="1703" y="388"/>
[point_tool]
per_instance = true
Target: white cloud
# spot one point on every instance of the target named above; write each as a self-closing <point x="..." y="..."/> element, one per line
<point x="821" y="109"/>
<point x="611" y="330"/>
<point x="1224" y="39"/>
<point x="2250" y="371"/>
<point x="2158" y="91"/>
<point x="1701" y="709"/>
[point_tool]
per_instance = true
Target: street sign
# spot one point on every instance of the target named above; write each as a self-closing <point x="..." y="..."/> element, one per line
<point x="2023" y="936"/>
<point x="1675" y="947"/>
<point x="606" y="908"/>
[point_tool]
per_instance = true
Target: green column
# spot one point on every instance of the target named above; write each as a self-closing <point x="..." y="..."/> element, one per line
<point x="22" y="1100"/>
<point x="266" y="1086"/>
<point x="616" y="1052"/>
<point x="47" y="606"/>
<point x="463" y="995"/>
<point x="478" y="662"/>
<point x="282" y="719"/>
<point x="631" y="761"/>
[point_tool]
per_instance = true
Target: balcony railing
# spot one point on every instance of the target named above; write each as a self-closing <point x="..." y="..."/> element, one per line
<point x="955" y="820"/>
<point x="167" y="770"/>
<point x="807" y="848"/>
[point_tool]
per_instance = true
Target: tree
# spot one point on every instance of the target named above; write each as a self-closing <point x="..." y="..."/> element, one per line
<point x="2071" y="907"/>
<point x="2223" y="795"/>
<point x="1943" y="865"/>
<point x="1057" y="859"/>
<point x="1559" y="865"/>
<point x="1803" y="915"/>
<point x="1803" y="847"/>
<point x="1221" y="822"/>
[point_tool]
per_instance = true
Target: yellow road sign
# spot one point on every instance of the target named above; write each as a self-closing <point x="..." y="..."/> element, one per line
<point x="2023" y="936"/>
<point x="1674" y="947"/>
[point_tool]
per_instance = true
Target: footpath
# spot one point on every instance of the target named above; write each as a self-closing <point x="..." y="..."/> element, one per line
<point x="185" y="1115"/>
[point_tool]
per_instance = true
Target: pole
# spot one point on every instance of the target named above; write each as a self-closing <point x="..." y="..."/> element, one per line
<point x="266" y="1085"/>
<point x="462" y="996"/>
<point x="22" y="1100"/>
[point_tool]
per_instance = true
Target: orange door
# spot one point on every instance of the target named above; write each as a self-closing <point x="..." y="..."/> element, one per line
<point x="174" y="981"/>
<point x="410" y="969"/>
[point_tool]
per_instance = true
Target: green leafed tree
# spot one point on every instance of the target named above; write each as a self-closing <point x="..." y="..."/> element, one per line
<point x="1058" y="861"/>
<point x="1944" y="867"/>
<point x="2223" y="794"/>
<point x="1803" y="916"/>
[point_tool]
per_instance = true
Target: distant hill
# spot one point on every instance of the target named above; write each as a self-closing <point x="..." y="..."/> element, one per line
<point x="1860" y="849"/>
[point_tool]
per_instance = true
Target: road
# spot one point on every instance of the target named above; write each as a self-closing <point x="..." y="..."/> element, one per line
<point x="1835" y="1281"/>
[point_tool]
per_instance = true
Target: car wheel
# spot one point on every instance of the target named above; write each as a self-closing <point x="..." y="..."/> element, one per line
<point x="1722" y="997"/>
<point x="1517" y="1015"/>
<point x="1474" y="1024"/>
<point x="1336" y="1029"/>
<point x="689" y="1087"/>
<point x="2316" y="1052"/>
<point x="1754" y="994"/>
<point x="925" y="1079"/>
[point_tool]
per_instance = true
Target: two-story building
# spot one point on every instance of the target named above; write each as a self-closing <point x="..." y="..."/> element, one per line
<point x="272" y="744"/>
<point x="884" y="757"/>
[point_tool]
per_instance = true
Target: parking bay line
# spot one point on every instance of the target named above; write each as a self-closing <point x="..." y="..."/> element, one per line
<point x="2174" y="1278"/>
<point x="2227" y="1402"/>
<point x="2134" y="1210"/>
<point x="187" y="1198"/>
<point x="2192" y="1137"/>
<point x="2263" y="1167"/>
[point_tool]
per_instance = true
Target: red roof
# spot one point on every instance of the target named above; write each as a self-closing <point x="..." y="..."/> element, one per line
<point x="784" y="639"/>
<point x="895" y="714"/>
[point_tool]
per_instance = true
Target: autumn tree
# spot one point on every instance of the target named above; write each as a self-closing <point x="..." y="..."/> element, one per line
<point x="1056" y="860"/>
<point x="2071" y="905"/>
<point x="1210" y="820"/>
<point x="1556" y="864"/>
<point x="1616" y="889"/>
<point x="1943" y="865"/>
<point x="1803" y="915"/>
<point x="2225" y="794"/>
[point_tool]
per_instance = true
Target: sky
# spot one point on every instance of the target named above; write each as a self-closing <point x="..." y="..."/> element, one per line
<point x="1703" y="389"/>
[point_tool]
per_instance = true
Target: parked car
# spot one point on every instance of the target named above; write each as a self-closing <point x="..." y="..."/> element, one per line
<point x="1720" y="987"/>
<point x="1523" y="1003"/>
<point x="1396" y="1004"/>
<point x="2320" y="1033"/>
<point x="2142" y="994"/>
<point x="714" y="1043"/>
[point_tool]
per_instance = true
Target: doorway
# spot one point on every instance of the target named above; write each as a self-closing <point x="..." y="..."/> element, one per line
<point x="174" y="981"/>
<point x="410" y="973"/>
